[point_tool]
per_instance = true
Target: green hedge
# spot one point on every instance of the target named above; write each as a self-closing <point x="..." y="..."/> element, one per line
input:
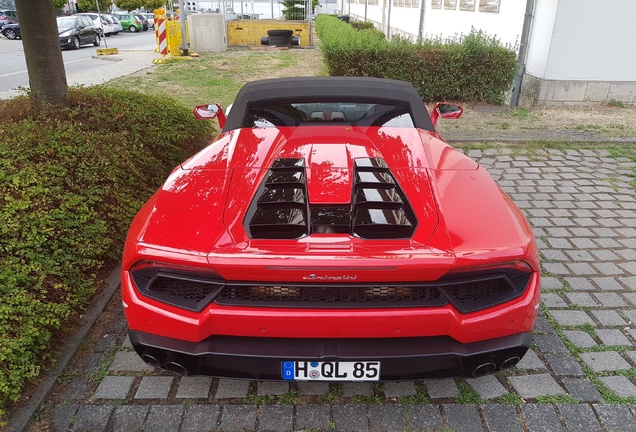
<point x="70" y="182"/>
<point x="471" y="68"/>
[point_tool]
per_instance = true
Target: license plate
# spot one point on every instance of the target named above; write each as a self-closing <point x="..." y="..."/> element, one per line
<point x="331" y="371"/>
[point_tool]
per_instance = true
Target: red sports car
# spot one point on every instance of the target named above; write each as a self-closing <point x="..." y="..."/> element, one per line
<point x="329" y="233"/>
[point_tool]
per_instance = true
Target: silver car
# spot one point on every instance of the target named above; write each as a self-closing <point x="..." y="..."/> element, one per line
<point x="114" y="26"/>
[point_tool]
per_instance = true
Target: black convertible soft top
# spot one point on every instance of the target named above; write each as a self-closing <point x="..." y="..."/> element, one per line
<point x="328" y="89"/>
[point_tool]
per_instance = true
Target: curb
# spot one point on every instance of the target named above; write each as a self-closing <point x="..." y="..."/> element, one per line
<point x="20" y="420"/>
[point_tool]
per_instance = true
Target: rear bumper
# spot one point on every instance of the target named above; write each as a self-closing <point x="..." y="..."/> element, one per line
<point x="401" y="358"/>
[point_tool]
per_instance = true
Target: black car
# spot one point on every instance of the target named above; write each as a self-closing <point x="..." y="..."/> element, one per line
<point x="75" y="31"/>
<point x="144" y="21"/>
<point x="11" y="31"/>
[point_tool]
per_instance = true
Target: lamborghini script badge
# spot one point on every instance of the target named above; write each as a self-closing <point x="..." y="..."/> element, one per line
<point x="313" y="277"/>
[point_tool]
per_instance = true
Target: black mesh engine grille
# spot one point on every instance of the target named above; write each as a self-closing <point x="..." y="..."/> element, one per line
<point x="329" y="296"/>
<point x="378" y="209"/>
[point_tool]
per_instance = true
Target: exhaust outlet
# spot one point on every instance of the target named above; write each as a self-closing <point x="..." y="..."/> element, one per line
<point x="484" y="369"/>
<point x="151" y="360"/>
<point x="177" y="368"/>
<point x="510" y="362"/>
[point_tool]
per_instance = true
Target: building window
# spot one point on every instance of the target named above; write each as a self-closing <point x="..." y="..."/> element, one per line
<point x="467" y="5"/>
<point x="450" y="4"/>
<point x="372" y="2"/>
<point x="436" y="4"/>
<point x="489" y="6"/>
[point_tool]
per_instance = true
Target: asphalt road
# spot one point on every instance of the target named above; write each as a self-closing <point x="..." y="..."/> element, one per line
<point x="82" y="66"/>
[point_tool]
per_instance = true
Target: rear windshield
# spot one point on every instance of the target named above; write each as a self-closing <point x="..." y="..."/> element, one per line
<point x="328" y="114"/>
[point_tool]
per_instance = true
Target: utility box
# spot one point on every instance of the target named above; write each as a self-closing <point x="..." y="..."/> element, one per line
<point x="208" y="33"/>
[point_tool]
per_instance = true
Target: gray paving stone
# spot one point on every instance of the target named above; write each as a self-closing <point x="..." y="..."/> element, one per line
<point x="553" y="300"/>
<point x="154" y="387"/>
<point x="580" y="418"/>
<point x="541" y="418"/>
<point x="564" y="364"/>
<point x="487" y="387"/>
<point x="390" y="418"/>
<point x="236" y="418"/>
<point x="549" y="282"/>
<point x="350" y="418"/>
<point x="550" y="343"/>
<point x="631" y="315"/>
<point x="531" y="361"/>
<point x="606" y="361"/>
<point x="607" y="283"/>
<point x="610" y="300"/>
<point x="608" y="318"/>
<point x="276" y="418"/>
<point x="164" y="418"/>
<point x="531" y="386"/>
<point x="312" y="388"/>
<point x="357" y="389"/>
<point x="230" y="389"/>
<point x="313" y="417"/>
<point x="612" y="337"/>
<point x="580" y="338"/>
<point x="542" y="325"/>
<point x="91" y="362"/>
<point x="200" y="418"/>
<point x="444" y="388"/>
<point x="555" y="268"/>
<point x="582" y="389"/>
<point x="581" y="268"/>
<point x="399" y="389"/>
<point x="128" y="361"/>
<point x="105" y="343"/>
<point x="272" y="388"/>
<point x="93" y="418"/>
<point x="63" y="415"/>
<point x="194" y="387"/>
<point x="129" y="418"/>
<point x="501" y="418"/>
<point x="581" y="299"/>
<point x="616" y="418"/>
<point x="620" y="385"/>
<point x="580" y="284"/>
<point x="114" y="387"/>
<point x="463" y="418"/>
<point x="608" y="268"/>
<point x="571" y="317"/>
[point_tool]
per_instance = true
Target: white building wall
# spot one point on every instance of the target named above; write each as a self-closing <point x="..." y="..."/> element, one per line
<point x="444" y="23"/>
<point x="593" y="40"/>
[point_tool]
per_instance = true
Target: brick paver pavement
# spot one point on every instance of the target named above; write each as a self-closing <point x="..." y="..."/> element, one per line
<point x="579" y="374"/>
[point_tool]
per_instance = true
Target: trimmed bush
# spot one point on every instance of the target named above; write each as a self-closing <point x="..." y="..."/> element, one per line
<point x="70" y="182"/>
<point x="471" y="68"/>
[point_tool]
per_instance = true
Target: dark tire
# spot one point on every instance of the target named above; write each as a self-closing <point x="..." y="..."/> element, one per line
<point x="98" y="41"/>
<point x="132" y="29"/>
<point x="76" y="43"/>
<point x="116" y="33"/>
<point x="10" y="34"/>
<point x="280" y="37"/>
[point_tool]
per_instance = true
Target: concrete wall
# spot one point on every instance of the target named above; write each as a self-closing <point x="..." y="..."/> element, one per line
<point x="208" y="33"/>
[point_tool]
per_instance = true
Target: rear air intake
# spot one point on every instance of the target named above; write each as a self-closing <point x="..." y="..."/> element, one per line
<point x="378" y="208"/>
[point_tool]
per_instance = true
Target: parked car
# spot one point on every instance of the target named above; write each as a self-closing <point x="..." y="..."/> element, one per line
<point x="11" y="31"/>
<point x="114" y="27"/>
<point x="328" y="233"/>
<point x="77" y="30"/>
<point x="151" y="19"/>
<point x="130" y="22"/>
<point x="8" y="16"/>
<point x="100" y="23"/>
<point x="144" y="21"/>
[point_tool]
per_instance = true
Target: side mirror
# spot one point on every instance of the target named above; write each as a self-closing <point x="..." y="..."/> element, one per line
<point x="209" y="112"/>
<point x="447" y="111"/>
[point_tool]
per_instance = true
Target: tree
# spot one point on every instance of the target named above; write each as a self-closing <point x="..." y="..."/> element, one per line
<point x="138" y="4"/>
<point x="296" y="9"/>
<point x="38" y="26"/>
